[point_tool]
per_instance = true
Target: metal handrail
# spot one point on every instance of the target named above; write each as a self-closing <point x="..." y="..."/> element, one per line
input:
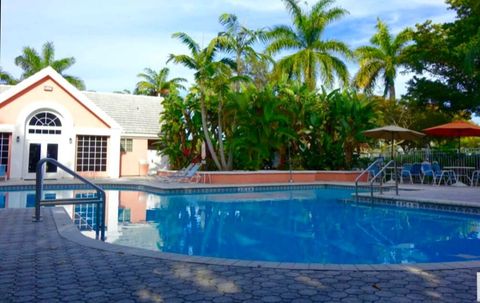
<point x="39" y="194"/>
<point x="380" y="173"/>
<point x="367" y="170"/>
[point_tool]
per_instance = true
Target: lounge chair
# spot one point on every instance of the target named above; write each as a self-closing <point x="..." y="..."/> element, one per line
<point x="3" y="172"/>
<point x="182" y="172"/>
<point x="192" y="175"/>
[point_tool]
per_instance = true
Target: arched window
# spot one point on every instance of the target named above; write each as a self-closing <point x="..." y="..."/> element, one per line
<point x="45" y="123"/>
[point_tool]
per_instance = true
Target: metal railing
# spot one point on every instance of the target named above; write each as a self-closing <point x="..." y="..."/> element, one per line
<point x="366" y="171"/>
<point x="99" y="199"/>
<point x="453" y="157"/>
<point x="380" y="174"/>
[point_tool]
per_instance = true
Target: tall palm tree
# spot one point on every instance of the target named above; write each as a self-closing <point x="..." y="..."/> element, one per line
<point x="208" y="71"/>
<point x="312" y="57"/>
<point x="157" y="84"/>
<point x="31" y="62"/>
<point x="238" y="40"/>
<point x="381" y="59"/>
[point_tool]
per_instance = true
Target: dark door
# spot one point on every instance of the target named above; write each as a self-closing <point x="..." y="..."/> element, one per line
<point x="34" y="154"/>
<point x="52" y="152"/>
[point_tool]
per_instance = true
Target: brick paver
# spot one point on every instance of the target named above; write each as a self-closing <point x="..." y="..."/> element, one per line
<point x="38" y="265"/>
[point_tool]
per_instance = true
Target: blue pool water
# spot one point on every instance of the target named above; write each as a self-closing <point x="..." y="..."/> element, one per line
<point x="307" y="226"/>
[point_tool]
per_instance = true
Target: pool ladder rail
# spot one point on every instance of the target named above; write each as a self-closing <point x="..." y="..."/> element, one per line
<point x="379" y="176"/>
<point x="99" y="199"/>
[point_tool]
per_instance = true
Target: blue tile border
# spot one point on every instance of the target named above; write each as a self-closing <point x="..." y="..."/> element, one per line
<point x="202" y="190"/>
<point x="415" y="204"/>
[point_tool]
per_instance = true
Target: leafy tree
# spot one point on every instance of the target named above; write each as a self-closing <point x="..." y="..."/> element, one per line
<point x="180" y="134"/>
<point x="32" y="62"/>
<point x="381" y="60"/>
<point x="448" y="54"/>
<point x="312" y="57"/>
<point x="157" y="83"/>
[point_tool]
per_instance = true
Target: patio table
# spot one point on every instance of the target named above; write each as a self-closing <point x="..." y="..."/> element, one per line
<point x="460" y="171"/>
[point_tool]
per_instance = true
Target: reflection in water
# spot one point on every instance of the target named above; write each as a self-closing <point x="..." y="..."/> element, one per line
<point x="291" y="226"/>
<point x="301" y="226"/>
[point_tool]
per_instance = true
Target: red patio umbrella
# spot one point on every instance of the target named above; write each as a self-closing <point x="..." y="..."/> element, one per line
<point x="455" y="129"/>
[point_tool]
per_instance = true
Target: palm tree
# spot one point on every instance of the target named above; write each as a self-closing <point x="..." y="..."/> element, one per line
<point x="6" y="78"/>
<point x="381" y="59"/>
<point x="208" y="73"/>
<point x="239" y="41"/>
<point x="157" y="84"/>
<point x="31" y="62"/>
<point x="312" y="57"/>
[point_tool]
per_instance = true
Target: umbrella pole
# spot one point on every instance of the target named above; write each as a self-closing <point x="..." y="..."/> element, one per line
<point x="395" y="172"/>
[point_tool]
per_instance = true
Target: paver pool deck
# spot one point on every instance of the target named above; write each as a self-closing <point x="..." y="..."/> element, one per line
<point x="51" y="261"/>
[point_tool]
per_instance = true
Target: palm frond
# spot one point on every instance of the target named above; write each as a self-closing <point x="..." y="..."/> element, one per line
<point x="184" y="60"/>
<point x="75" y="81"/>
<point x="48" y="53"/>
<point x="188" y="41"/>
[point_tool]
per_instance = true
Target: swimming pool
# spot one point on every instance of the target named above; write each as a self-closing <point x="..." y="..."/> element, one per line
<point x="305" y="226"/>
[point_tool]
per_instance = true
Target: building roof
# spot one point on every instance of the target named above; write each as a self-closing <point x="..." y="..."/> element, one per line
<point x="137" y="115"/>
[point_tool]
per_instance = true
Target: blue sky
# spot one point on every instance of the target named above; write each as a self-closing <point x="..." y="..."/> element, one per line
<point x="113" y="40"/>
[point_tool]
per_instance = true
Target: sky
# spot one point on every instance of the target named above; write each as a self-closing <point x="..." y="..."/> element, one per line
<point x="114" y="40"/>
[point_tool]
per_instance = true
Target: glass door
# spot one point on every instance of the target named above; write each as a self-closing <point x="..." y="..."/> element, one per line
<point x="52" y="152"/>
<point x="34" y="154"/>
<point x="37" y="151"/>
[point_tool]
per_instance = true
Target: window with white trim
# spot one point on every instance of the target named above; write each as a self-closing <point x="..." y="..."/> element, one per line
<point x="45" y="123"/>
<point x="126" y="145"/>
<point x="4" y="149"/>
<point x="91" y="153"/>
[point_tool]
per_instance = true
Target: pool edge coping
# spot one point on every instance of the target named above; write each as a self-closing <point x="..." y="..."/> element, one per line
<point x="67" y="230"/>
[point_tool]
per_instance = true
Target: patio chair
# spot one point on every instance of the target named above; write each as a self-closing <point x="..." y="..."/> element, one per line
<point x="475" y="178"/>
<point x="416" y="172"/>
<point x="448" y="176"/>
<point x="406" y="172"/>
<point x="3" y="172"/>
<point x="428" y="172"/>
<point x="437" y="174"/>
<point x="373" y="171"/>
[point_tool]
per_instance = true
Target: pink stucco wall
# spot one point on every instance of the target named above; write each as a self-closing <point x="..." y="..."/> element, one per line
<point x="83" y="117"/>
<point x="130" y="161"/>
<point x="256" y="177"/>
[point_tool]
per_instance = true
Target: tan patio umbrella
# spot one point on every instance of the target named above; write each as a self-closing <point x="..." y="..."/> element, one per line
<point x="392" y="133"/>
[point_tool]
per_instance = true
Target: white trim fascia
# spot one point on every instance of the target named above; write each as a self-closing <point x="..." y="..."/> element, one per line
<point x="143" y="136"/>
<point x="7" y="128"/>
<point x="50" y="72"/>
<point x="94" y="131"/>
